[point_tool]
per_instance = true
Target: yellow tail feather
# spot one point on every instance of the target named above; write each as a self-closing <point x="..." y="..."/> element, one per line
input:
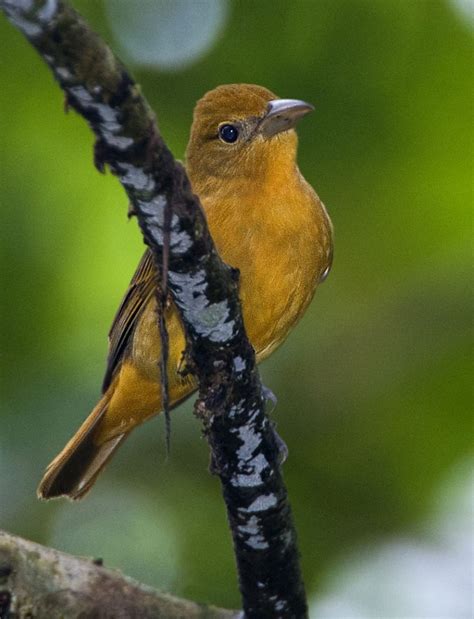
<point x="73" y="472"/>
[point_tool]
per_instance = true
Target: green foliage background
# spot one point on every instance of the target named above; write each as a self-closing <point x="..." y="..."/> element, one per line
<point x="373" y="385"/>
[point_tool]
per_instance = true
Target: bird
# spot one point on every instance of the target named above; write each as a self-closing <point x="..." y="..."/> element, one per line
<point x="266" y="221"/>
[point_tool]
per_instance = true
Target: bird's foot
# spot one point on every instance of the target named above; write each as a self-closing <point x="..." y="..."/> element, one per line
<point x="186" y="364"/>
<point x="235" y="274"/>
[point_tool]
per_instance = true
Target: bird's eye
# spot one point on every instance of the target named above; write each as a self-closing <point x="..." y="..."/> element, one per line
<point x="228" y="133"/>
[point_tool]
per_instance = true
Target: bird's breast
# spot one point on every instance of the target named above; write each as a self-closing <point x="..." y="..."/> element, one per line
<point x="280" y="241"/>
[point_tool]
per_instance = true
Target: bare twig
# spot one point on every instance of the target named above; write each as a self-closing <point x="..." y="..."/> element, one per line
<point x="245" y="451"/>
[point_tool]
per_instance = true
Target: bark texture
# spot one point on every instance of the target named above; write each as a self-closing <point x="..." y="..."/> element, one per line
<point x="42" y="583"/>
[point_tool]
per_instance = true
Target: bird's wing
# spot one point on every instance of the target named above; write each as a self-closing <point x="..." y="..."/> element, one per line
<point x="134" y="302"/>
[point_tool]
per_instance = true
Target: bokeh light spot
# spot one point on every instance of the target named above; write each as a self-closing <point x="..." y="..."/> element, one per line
<point x="167" y="34"/>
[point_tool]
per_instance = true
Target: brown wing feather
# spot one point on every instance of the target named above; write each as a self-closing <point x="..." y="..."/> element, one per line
<point x="134" y="302"/>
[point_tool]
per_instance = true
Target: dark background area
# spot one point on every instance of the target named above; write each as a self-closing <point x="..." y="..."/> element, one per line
<point x="373" y="386"/>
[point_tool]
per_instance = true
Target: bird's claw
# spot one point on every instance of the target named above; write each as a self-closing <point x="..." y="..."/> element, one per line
<point x="185" y="365"/>
<point x="235" y="274"/>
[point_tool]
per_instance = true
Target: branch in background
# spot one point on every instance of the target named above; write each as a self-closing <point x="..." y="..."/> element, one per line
<point x="245" y="452"/>
<point x="40" y="582"/>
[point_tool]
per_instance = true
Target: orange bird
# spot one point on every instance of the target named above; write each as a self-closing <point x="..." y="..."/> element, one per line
<point x="265" y="219"/>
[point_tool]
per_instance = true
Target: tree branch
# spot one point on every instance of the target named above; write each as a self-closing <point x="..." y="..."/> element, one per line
<point x="40" y="582"/>
<point x="245" y="449"/>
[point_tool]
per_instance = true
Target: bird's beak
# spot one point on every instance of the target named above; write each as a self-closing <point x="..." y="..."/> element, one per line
<point x="283" y="114"/>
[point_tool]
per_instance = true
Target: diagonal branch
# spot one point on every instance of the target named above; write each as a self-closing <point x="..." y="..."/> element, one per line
<point x="245" y="451"/>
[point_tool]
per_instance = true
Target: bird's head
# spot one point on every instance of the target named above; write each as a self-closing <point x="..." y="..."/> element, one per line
<point x="239" y="130"/>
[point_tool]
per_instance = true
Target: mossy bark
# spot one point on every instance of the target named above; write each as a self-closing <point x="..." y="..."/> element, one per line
<point x="42" y="583"/>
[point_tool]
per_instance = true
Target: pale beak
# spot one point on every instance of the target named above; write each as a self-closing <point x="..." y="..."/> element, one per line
<point x="283" y="114"/>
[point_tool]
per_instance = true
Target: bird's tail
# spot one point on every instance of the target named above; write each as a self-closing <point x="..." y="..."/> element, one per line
<point x="73" y="472"/>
